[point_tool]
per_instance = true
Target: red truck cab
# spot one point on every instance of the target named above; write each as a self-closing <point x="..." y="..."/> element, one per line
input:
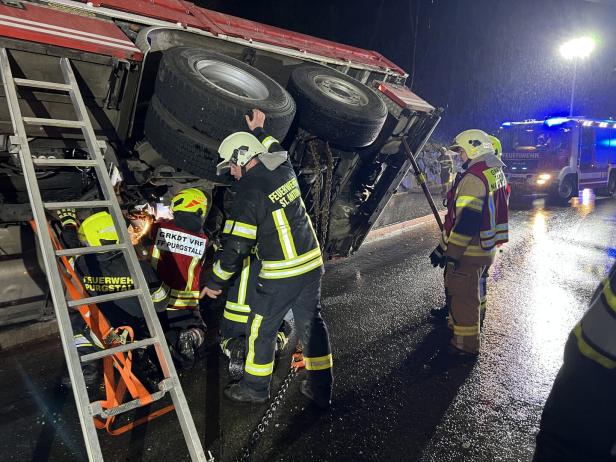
<point x="560" y="156"/>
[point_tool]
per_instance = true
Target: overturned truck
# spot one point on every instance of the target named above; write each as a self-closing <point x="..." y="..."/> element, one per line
<point x="164" y="82"/>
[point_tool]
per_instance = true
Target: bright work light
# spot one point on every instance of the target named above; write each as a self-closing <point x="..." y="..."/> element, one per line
<point x="577" y="48"/>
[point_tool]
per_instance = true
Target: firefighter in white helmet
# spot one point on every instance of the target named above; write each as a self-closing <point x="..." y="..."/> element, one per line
<point x="476" y="222"/>
<point x="268" y="211"/>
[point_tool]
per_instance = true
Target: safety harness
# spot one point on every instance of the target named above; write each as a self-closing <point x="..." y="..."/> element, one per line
<point x="116" y="385"/>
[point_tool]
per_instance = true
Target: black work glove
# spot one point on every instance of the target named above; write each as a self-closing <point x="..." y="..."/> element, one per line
<point x="437" y="257"/>
<point x="67" y="217"/>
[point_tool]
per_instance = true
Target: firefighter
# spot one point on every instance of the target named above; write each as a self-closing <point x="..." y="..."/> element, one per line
<point x="476" y="222"/>
<point x="102" y="273"/>
<point x="577" y="423"/>
<point x="268" y="211"/>
<point x="177" y="255"/>
<point x="437" y="255"/>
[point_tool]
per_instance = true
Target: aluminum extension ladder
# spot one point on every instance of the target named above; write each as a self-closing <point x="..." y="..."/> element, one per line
<point x="170" y="383"/>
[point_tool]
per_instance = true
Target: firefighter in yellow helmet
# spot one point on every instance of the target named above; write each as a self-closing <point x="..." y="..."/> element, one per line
<point x="102" y="273"/>
<point x="268" y="211"/>
<point x="476" y="222"/>
<point x="177" y="254"/>
<point x="438" y="254"/>
<point x="577" y="423"/>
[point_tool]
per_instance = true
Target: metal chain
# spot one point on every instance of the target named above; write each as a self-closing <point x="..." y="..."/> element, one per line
<point x="256" y="434"/>
<point x="327" y="195"/>
<point x="316" y="187"/>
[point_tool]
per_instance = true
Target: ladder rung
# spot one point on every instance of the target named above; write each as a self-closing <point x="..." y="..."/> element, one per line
<point x="87" y="250"/>
<point x="119" y="349"/>
<point x="134" y="404"/>
<point x="42" y="85"/>
<point x="65" y="162"/>
<point x="53" y="122"/>
<point x="76" y="205"/>
<point x="104" y="298"/>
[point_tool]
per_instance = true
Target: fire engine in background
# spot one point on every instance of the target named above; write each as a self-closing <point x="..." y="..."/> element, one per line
<point x="164" y="81"/>
<point x="560" y="156"/>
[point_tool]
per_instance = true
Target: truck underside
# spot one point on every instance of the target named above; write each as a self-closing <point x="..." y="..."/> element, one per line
<point x="162" y="116"/>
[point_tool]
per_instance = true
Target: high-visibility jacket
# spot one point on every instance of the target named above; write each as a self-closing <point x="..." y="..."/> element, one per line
<point x="177" y="256"/>
<point x="268" y="211"/>
<point x="477" y="212"/>
<point x="596" y="332"/>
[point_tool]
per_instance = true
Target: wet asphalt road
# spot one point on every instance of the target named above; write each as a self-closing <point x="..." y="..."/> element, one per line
<point x="397" y="394"/>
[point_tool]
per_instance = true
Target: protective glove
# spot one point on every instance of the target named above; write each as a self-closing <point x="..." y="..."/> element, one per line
<point x="437" y="257"/>
<point x="67" y="217"/>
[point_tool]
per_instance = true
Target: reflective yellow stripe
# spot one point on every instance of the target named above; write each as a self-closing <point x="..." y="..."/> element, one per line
<point x="465" y="331"/>
<point x="191" y="273"/>
<point x="237" y="307"/>
<point x="320" y="363"/>
<point x="244" y="230"/>
<point x="476" y="251"/>
<point x="458" y="239"/>
<point x="470" y="202"/>
<point x="183" y="302"/>
<point x="184" y="293"/>
<point x="284" y="264"/>
<point x="251" y="367"/>
<point x="228" y="226"/>
<point x="155" y="257"/>
<point x="241" y="296"/>
<point x="316" y="239"/>
<point x="221" y="273"/>
<point x="284" y="234"/>
<point x="80" y="341"/>
<point x="590" y="352"/>
<point x="161" y="293"/>
<point x="608" y="293"/>
<point x="298" y="270"/>
<point x="243" y="318"/>
<point x="268" y="141"/>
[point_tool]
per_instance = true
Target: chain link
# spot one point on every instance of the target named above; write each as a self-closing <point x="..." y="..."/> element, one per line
<point x="256" y="434"/>
<point x="321" y="191"/>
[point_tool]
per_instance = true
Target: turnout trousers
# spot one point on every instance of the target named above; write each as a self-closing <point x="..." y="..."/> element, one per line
<point x="273" y="298"/>
<point x="462" y="285"/>
<point x="579" y="418"/>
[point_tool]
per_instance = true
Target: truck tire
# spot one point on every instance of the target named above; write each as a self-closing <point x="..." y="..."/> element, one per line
<point x="182" y="146"/>
<point x="210" y="92"/>
<point x="336" y="107"/>
<point x="566" y="189"/>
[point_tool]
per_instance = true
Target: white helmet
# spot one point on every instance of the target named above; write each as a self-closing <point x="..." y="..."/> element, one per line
<point x="239" y="148"/>
<point x="475" y="143"/>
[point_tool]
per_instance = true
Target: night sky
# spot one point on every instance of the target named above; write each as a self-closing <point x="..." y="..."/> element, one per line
<point x="484" y="61"/>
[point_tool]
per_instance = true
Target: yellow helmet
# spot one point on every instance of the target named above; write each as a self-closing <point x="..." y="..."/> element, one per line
<point x="191" y="200"/>
<point x="98" y="228"/>
<point x="496" y="144"/>
<point x="474" y="142"/>
<point x="238" y="148"/>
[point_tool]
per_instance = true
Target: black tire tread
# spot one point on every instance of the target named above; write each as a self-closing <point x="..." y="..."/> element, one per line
<point x="182" y="146"/>
<point x="198" y="105"/>
<point x="330" y="120"/>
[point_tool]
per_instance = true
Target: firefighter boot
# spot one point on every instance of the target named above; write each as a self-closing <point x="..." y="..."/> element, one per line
<point x="242" y="393"/>
<point x="235" y="349"/>
<point x="440" y="314"/>
<point x="189" y="341"/>
<point x="320" y="396"/>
